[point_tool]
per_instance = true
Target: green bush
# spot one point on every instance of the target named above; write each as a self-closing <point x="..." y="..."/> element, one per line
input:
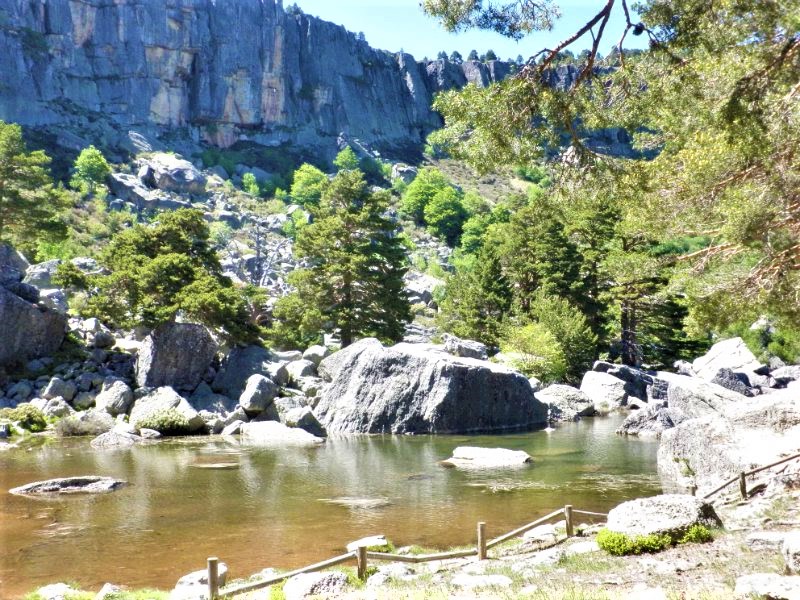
<point x="27" y="416"/>
<point x="91" y="170"/>
<point x="250" y="184"/>
<point x="536" y="350"/>
<point x="445" y="215"/>
<point x="166" y="422"/>
<point x="696" y="534"/>
<point x="83" y="424"/>
<point x="620" y="544"/>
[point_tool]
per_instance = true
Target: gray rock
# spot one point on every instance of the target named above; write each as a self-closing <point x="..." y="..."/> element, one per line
<point x="269" y="433"/>
<point x="241" y="363"/>
<point x="466" y="348"/>
<point x="171" y="173"/>
<point x="304" y="418"/>
<point x="27" y="330"/>
<point x="115" y="439"/>
<point x="787" y="374"/>
<point x="637" y="382"/>
<point x="233" y="428"/>
<point x="732" y="381"/>
<point x="90" y="484"/>
<point x="420" y="287"/>
<point x="767" y="585"/>
<point x="651" y="421"/>
<point x="194" y="586"/>
<point x="791" y="552"/>
<point x="89" y="422"/>
<point x="160" y="401"/>
<point x="175" y="355"/>
<point x="56" y="591"/>
<point x="566" y="402"/>
<point x="13" y="265"/>
<point x="317" y="585"/>
<point x="258" y="394"/>
<point x="41" y="274"/>
<point x="405" y="172"/>
<point x="730" y="354"/>
<point x="470" y="457"/>
<point x="300" y="368"/>
<point x="310" y="386"/>
<point x="315" y="354"/>
<point x="671" y="514"/>
<point x="605" y="391"/>
<point x="116" y="397"/>
<point x="695" y="397"/>
<point x="411" y="388"/>
<point x="54" y="299"/>
<point x="54" y="407"/>
<point x="59" y="388"/>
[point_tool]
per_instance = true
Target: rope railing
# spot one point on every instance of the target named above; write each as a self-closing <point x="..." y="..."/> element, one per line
<point x="361" y="555"/>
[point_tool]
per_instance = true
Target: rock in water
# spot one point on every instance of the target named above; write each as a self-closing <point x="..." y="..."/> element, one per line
<point x="175" y="354"/>
<point x="414" y="388"/>
<point x="90" y="484"/>
<point x="605" y="391"/>
<point x="148" y="410"/>
<point x="470" y="457"/>
<point x="27" y="330"/>
<point x="566" y="402"/>
<point x="272" y="433"/>
<point x="671" y="514"/>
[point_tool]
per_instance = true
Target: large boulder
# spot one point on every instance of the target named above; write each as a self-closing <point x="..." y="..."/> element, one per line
<point x="651" y="421"/>
<point x="175" y="355"/>
<point x="671" y="514"/>
<point x="41" y="274"/>
<point x="696" y="397"/>
<point x="27" y="330"/>
<point x="162" y="407"/>
<point x="637" y="382"/>
<point x="273" y="433"/>
<point x="730" y="354"/>
<point x="717" y="446"/>
<point x="414" y="388"/>
<point x="241" y="363"/>
<point x="258" y="394"/>
<point x="304" y="418"/>
<point x="605" y="391"/>
<point x="172" y="173"/>
<point x="115" y="397"/>
<point x="566" y="402"/>
<point x="467" y="348"/>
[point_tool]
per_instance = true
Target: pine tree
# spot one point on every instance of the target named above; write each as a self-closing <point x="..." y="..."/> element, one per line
<point x="355" y="277"/>
<point x="29" y="204"/>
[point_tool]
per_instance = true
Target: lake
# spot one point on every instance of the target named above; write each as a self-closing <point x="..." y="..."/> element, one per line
<point x="289" y="507"/>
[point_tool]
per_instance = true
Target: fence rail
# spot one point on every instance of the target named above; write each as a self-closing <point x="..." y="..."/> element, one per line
<point x="742" y="477"/>
<point x="361" y="556"/>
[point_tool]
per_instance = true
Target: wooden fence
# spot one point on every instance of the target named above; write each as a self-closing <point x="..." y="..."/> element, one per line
<point x="742" y="478"/>
<point x="362" y="555"/>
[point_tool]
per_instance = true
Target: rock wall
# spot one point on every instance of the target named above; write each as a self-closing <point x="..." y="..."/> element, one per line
<point x="220" y="71"/>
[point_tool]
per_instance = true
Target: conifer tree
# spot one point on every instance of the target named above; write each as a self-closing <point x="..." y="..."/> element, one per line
<point x="356" y="263"/>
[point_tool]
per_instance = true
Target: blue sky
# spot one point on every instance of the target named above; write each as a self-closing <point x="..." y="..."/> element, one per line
<point x="395" y="24"/>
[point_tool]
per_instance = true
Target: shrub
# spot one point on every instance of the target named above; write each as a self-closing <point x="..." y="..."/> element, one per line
<point x="27" y="416"/>
<point x="250" y="184"/>
<point x="91" y="169"/>
<point x="696" y="534"/>
<point x="167" y="422"/>
<point x="428" y="182"/>
<point x="309" y="184"/>
<point x="537" y="352"/>
<point x="445" y="215"/>
<point x="620" y="544"/>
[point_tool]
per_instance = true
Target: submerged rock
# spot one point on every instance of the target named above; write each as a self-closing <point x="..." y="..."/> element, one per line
<point x="413" y="388"/>
<point x="90" y="484"/>
<point x="278" y="434"/>
<point x="470" y="457"/>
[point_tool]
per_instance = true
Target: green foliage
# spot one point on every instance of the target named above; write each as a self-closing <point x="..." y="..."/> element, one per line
<point x="27" y="416"/>
<point x="346" y="160"/>
<point x="155" y="272"/>
<point x="30" y="207"/>
<point x="295" y="324"/>
<point x="355" y="277"/>
<point x="90" y="170"/>
<point x="250" y="184"/>
<point x="445" y="215"/>
<point x="536" y="351"/>
<point x="428" y="182"/>
<point x="696" y="534"/>
<point x="309" y="184"/>
<point x="167" y="422"/>
<point x="532" y="173"/>
<point x="295" y="224"/>
<point x="619" y="544"/>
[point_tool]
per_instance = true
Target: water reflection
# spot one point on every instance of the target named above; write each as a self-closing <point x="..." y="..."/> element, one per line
<point x="286" y="507"/>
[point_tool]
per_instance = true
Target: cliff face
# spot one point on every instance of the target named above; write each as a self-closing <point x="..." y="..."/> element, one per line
<point x="218" y="70"/>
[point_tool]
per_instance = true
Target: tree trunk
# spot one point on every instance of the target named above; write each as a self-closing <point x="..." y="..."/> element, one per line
<point x="629" y="322"/>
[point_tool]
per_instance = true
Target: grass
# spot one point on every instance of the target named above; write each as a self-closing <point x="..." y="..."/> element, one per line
<point x="143" y="594"/>
<point x="779" y="509"/>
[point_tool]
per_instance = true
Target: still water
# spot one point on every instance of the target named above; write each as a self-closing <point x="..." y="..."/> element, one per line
<point x="289" y="507"/>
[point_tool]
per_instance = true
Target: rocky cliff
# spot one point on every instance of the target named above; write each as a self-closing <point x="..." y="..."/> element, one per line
<point x="218" y="71"/>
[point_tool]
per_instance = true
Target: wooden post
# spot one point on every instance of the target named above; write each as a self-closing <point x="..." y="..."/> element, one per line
<point x="568" y="519"/>
<point x="481" y="541"/>
<point x="743" y="486"/>
<point x="213" y="578"/>
<point x="361" y="557"/>
<point x="693" y="489"/>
